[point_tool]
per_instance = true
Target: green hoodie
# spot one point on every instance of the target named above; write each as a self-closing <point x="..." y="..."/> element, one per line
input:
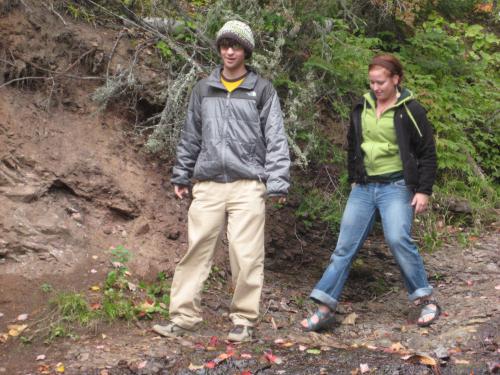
<point x="380" y="145"/>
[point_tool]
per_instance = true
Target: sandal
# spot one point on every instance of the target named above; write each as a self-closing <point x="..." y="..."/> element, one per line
<point x="324" y="319"/>
<point x="429" y="311"/>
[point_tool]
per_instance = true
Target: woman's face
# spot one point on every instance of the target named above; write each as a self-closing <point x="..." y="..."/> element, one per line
<point x="382" y="83"/>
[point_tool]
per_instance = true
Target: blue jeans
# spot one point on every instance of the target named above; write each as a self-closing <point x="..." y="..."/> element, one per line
<point x="393" y="202"/>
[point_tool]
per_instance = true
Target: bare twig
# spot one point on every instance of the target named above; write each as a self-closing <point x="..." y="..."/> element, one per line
<point x="111" y="54"/>
<point x="51" y="8"/>
<point x="22" y="79"/>
<point x="78" y="60"/>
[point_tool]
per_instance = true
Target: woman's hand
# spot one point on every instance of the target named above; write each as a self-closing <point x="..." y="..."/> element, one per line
<point x="420" y="202"/>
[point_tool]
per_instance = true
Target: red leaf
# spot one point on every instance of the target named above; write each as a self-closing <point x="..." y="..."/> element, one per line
<point x="213" y="341"/>
<point x="210" y="364"/>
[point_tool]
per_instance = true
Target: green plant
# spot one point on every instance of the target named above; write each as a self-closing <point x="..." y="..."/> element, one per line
<point x="73" y="308"/>
<point x="46" y="288"/>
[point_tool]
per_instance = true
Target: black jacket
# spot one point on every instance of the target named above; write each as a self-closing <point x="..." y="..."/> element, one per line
<point x="415" y="141"/>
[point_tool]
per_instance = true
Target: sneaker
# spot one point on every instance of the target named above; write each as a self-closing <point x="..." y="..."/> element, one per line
<point x="171" y="330"/>
<point x="240" y="333"/>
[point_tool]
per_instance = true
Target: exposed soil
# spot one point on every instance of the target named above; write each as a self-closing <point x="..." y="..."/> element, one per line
<point x="75" y="182"/>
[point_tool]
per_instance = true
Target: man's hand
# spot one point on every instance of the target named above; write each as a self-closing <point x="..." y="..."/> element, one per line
<point x="181" y="191"/>
<point x="277" y="199"/>
<point x="420" y="202"/>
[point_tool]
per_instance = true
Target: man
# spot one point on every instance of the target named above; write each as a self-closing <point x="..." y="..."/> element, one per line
<point x="234" y="146"/>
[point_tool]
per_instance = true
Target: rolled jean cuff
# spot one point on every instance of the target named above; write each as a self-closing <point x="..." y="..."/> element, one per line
<point x="321" y="297"/>
<point x="419" y="293"/>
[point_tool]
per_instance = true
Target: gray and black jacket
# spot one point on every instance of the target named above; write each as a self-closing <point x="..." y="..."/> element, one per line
<point x="234" y="136"/>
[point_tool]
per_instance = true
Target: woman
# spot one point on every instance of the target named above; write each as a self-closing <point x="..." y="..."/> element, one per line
<point x="392" y="167"/>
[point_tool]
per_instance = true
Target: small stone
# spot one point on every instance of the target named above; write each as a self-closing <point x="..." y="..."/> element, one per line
<point x="492" y="267"/>
<point x="107" y="230"/>
<point x="77" y="217"/>
<point x="143" y="229"/>
<point x="124" y="233"/>
<point x="173" y="235"/>
<point x="441" y="352"/>
<point x="3" y="369"/>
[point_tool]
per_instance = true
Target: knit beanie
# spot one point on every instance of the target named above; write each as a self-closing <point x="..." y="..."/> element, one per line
<point x="239" y="32"/>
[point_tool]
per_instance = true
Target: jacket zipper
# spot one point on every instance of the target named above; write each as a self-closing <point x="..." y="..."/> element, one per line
<point x="224" y="136"/>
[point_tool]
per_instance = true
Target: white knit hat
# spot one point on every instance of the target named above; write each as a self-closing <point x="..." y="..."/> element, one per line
<point x="239" y="32"/>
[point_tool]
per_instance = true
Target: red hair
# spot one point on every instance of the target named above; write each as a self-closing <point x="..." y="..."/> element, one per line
<point x="389" y="62"/>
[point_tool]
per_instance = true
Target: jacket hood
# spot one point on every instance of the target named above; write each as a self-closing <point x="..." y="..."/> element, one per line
<point x="406" y="95"/>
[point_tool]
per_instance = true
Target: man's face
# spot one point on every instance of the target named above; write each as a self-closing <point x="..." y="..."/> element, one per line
<point x="233" y="55"/>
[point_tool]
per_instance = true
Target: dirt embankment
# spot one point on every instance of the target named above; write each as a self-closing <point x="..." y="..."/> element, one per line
<point x="74" y="182"/>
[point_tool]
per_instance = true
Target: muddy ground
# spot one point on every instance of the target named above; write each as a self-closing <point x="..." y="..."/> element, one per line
<point x="75" y="181"/>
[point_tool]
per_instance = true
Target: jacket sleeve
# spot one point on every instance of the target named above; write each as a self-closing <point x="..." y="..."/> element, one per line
<point x="425" y="151"/>
<point x="351" y="150"/>
<point x="189" y="145"/>
<point x="277" y="164"/>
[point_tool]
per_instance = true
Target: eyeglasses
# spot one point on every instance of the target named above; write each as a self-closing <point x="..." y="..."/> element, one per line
<point x="228" y="43"/>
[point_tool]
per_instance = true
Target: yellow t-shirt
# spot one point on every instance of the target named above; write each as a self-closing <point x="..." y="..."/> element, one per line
<point x="231" y="85"/>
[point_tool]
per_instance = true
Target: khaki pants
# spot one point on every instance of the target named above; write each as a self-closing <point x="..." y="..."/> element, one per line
<point x="243" y="202"/>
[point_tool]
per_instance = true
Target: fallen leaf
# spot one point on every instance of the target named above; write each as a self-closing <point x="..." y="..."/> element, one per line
<point x="95" y="288"/>
<point x="350" y="319"/>
<point x="95" y="257"/>
<point x="43" y="369"/>
<point x="420" y="358"/>
<point x="93" y="271"/>
<point x="1" y="314"/>
<point x="40" y="357"/>
<point x="60" y="368"/>
<point x="470" y="282"/>
<point x="246" y="356"/>
<point x="246" y="373"/>
<point x="95" y="306"/>
<point x="363" y="367"/>
<point x="272" y="358"/>
<point x="302" y="348"/>
<point x="213" y="341"/>
<point x="195" y="367"/>
<point x="16" y="329"/>
<point x="4" y="337"/>
<point x="496" y="287"/>
<point x="396" y="347"/>
<point x="313" y="351"/>
<point x="131" y="286"/>
<point x="22" y="317"/>
<point x="279" y="341"/>
<point x="210" y="364"/>
<point x="460" y="361"/>
<point x="287" y="344"/>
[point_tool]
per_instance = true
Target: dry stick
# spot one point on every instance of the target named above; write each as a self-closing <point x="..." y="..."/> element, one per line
<point x="111" y="54"/>
<point x="22" y="79"/>
<point x="77" y="61"/>
<point x="51" y="8"/>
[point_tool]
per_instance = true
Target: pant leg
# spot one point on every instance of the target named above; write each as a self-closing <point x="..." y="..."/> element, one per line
<point x="394" y="203"/>
<point x="206" y="217"/>
<point x="245" y="230"/>
<point x="356" y="224"/>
